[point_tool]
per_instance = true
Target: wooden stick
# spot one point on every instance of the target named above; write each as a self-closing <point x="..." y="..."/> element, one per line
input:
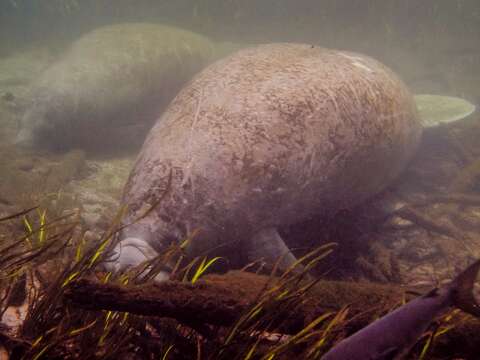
<point x="222" y="299"/>
<point x="409" y="213"/>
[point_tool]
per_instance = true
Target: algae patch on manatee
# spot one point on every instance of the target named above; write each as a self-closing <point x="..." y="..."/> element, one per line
<point x="437" y="109"/>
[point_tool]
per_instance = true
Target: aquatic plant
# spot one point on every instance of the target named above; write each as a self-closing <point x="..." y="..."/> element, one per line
<point x="55" y="329"/>
<point x="204" y="265"/>
<point x="275" y="317"/>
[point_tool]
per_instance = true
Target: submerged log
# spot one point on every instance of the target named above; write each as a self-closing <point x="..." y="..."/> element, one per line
<point x="424" y="221"/>
<point x="222" y="299"/>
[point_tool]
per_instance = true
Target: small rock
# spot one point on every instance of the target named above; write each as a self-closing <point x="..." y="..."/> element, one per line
<point x="25" y="165"/>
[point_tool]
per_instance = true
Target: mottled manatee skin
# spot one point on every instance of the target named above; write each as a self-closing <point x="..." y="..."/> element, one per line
<point x="270" y="136"/>
<point x="114" y="78"/>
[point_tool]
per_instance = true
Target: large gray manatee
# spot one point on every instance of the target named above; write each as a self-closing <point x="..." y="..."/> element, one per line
<point x="111" y="82"/>
<point x="269" y="136"/>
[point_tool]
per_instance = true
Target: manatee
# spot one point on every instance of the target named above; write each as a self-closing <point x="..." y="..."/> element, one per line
<point x="270" y="135"/>
<point x="112" y="81"/>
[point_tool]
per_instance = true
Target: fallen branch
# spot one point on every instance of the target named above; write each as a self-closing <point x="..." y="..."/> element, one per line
<point x="410" y="214"/>
<point x="461" y="199"/>
<point x="221" y="299"/>
<point x="456" y="198"/>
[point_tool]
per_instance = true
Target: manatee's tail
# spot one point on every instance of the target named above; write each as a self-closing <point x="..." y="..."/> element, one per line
<point x="462" y="290"/>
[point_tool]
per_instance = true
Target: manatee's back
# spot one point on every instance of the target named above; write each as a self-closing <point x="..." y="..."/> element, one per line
<point x="116" y="76"/>
<point x="276" y="133"/>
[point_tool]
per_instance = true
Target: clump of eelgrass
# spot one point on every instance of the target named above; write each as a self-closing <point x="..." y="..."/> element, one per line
<point x="247" y="338"/>
<point x="51" y="329"/>
<point x="56" y="329"/>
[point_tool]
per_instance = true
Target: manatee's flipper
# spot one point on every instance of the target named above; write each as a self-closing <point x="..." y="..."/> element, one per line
<point x="131" y="252"/>
<point x="268" y="245"/>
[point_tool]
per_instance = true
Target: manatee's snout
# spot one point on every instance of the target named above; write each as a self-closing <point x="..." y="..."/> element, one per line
<point x="31" y="127"/>
<point x="130" y="252"/>
<point x="25" y="138"/>
<point x="134" y="245"/>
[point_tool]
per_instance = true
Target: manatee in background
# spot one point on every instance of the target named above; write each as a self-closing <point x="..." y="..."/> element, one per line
<point x="113" y="80"/>
<point x="268" y="136"/>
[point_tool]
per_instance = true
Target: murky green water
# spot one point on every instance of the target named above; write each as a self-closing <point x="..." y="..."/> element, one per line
<point x="432" y="45"/>
<point x="83" y="81"/>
